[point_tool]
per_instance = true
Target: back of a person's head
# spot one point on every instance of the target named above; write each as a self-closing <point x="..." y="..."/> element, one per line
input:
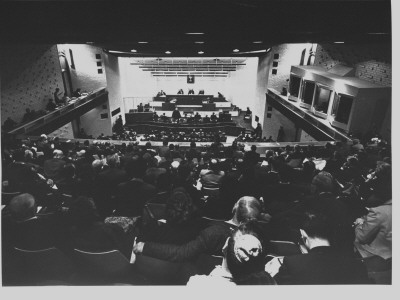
<point x="97" y="165"/>
<point x="164" y="182"/>
<point x="58" y="153"/>
<point x="269" y="153"/>
<point x="244" y="255"/>
<point x="136" y="167"/>
<point x="83" y="211"/>
<point x="309" y="167"/>
<point x="323" y="182"/>
<point x="22" y="207"/>
<point x="113" y="160"/>
<point x="68" y="171"/>
<point x="179" y="208"/>
<point x="214" y="165"/>
<point x="18" y="155"/>
<point x="253" y="148"/>
<point x="165" y="142"/>
<point x="383" y="171"/>
<point x="247" y="208"/>
<point x="317" y="225"/>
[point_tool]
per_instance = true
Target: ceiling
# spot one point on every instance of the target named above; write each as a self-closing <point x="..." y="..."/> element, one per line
<point x="246" y="25"/>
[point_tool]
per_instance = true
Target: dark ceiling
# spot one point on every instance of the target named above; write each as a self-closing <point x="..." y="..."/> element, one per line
<point x="226" y="24"/>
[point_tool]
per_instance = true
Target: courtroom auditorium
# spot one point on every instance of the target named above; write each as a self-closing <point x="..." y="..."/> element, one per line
<point x="196" y="143"/>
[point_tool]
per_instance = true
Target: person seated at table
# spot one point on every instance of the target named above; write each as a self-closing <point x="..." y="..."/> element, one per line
<point x="161" y="94"/>
<point x="140" y="108"/>
<point x="191" y="92"/>
<point x="176" y="115"/>
<point x="164" y="118"/>
<point x="155" y="117"/>
<point x="197" y="117"/>
<point x="56" y="95"/>
<point x="206" y="119"/>
<point x="180" y="92"/>
<point x="270" y="140"/>
<point x="51" y="106"/>
<point x="248" y="112"/>
<point x="214" y="117"/>
<point x="201" y="92"/>
<point x="77" y="93"/>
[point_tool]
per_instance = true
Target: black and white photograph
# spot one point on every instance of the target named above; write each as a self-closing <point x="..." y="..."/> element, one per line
<point x="197" y="144"/>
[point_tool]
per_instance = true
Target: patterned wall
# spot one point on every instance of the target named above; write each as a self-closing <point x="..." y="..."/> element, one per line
<point x="64" y="132"/>
<point x="371" y="62"/>
<point x="30" y="74"/>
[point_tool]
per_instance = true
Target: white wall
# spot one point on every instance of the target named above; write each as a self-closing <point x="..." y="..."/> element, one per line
<point x="85" y="74"/>
<point x="93" y="124"/>
<point x="65" y="132"/>
<point x="134" y="81"/>
<point x="263" y="71"/>
<point x="241" y="86"/>
<point x="114" y="88"/>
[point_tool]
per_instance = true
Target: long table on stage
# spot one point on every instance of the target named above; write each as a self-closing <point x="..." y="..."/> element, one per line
<point x="188" y="99"/>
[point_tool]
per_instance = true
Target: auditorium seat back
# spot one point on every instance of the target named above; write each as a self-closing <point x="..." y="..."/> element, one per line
<point x="46" y="264"/>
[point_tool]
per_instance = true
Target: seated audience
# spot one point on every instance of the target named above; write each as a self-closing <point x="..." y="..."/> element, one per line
<point x="122" y="177"/>
<point x="210" y="241"/>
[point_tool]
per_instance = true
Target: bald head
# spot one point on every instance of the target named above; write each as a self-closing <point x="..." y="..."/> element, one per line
<point x="22" y="207"/>
<point x="246" y="208"/>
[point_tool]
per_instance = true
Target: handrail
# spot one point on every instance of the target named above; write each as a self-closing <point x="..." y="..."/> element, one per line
<point x="261" y="146"/>
<point x="59" y="111"/>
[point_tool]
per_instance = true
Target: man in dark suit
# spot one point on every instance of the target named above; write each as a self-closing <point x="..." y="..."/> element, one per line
<point x="24" y="229"/>
<point x="176" y="115"/>
<point x="252" y="157"/>
<point x="133" y="194"/>
<point x="322" y="264"/>
<point x="106" y="186"/>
